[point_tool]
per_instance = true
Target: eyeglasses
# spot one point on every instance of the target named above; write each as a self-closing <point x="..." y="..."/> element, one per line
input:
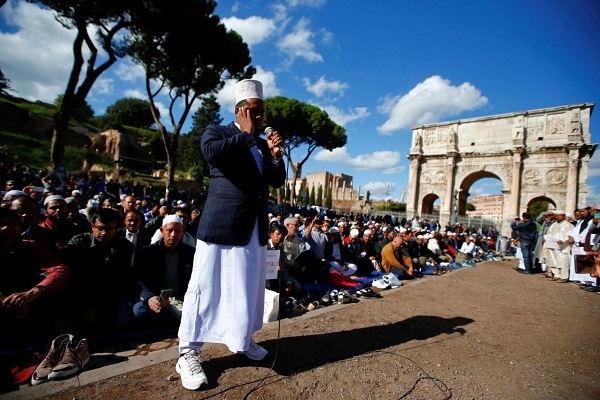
<point x="104" y="228"/>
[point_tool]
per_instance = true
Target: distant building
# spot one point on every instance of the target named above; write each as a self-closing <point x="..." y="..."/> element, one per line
<point x="342" y="192"/>
<point x="489" y="207"/>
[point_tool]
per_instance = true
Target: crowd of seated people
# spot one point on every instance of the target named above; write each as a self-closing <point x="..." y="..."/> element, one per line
<point x="89" y="262"/>
<point x="93" y="230"/>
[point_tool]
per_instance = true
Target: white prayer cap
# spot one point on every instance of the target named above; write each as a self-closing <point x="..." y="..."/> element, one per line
<point x="75" y="192"/>
<point x="274" y="219"/>
<point x="172" y="218"/>
<point x="334" y="230"/>
<point x="53" y="198"/>
<point x="402" y="229"/>
<point x="354" y="233"/>
<point x="92" y="203"/>
<point x="367" y="232"/>
<point x="71" y="200"/>
<point x="248" y="89"/>
<point x="296" y="215"/>
<point x="562" y="212"/>
<point x="122" y="197"/>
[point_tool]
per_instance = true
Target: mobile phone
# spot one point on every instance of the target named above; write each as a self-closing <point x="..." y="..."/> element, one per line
<point x="597" y="215"/>
<point x="165" y="294"/>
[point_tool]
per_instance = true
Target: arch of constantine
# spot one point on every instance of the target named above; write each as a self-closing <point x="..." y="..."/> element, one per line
<point x="537" y="155"/>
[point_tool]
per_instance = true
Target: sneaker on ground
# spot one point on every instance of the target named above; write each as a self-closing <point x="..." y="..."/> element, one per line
<point x="189" y="368"/>
<point x="74" y="358"/>
<point x="380" y="284"/>
<point x="52" y="358"/>
<point x="255" y="352"/>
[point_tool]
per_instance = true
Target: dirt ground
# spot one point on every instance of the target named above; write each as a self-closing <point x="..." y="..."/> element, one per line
<point x="486" y="332"/>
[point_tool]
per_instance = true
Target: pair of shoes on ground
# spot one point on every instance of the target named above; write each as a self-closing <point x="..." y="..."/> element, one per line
<point x="560" y="280"/>
<point x="345" y="297"/>
<point x="368" y="292"/>
<point x="64" y="359"/>
<point x="190" y="369"/>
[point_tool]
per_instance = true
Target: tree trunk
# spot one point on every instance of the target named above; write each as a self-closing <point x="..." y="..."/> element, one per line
<point x="295" y="177"/>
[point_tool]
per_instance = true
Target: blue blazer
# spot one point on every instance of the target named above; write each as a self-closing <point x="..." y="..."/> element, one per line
<point x="238" y="192"/>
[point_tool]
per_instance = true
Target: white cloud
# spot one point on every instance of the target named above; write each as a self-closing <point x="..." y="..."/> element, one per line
<point x="594" y="167"/>
<point x="34" y="46"/>
<point x="342" y="117"/>
<point x="136" y="94"/>
<point x="128" y="71"/>
<point x="378" y="189"/>
<point x="35" y="41"/>
<point x="378" y="160"/>
<point x="430" y="101"/>
<point x="226" y="96"/>
<point x="298" y="44"/>
<point x="306" y="3"/>
<point x="322" y="86"/>
<point x="102" y="86"/>
<point x="253" y="30"/>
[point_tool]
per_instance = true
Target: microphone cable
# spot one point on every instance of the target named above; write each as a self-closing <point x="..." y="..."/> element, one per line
<point x="261" y="381"/>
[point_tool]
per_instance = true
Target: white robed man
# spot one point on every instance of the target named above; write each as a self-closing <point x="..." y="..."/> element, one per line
<point x="225" y="297"/>
<point x="558" y="260"/>
<point x="577" y="239"/>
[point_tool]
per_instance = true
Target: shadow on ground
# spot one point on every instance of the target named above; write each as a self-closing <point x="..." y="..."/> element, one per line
<point x="302" y="353"/>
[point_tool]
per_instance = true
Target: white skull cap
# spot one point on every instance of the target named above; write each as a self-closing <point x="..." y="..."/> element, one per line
<point x="172" y="218"/>
<point x="248" y="89"/>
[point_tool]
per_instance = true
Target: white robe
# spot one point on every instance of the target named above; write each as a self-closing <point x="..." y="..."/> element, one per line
<point x="580" y="238"/>
<point x="224" y="302"/>
<point x="560" y="258"/>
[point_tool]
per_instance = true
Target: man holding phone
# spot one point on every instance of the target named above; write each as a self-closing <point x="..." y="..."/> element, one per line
<point x="163" y="270"/>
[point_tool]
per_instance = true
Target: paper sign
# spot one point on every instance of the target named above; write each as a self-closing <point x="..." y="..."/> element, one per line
<point x="551" y="242"/>
<point x="272" y="263"/>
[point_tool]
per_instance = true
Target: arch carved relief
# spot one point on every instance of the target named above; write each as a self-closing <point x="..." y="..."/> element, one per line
<point x="535" y="154"/>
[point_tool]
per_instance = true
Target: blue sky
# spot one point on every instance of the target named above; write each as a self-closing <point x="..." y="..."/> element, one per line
<point x="378" y="68"/>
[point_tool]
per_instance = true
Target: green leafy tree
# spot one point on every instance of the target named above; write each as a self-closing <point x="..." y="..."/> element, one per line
<point x="320" y="196"/>
<point x="189" y="153"/>
<point x="4" y="83"/>
<point x="83" y="112"/>
<point x="302" y="124"/>
<point x="129" y="111"/>
<point x="108" y="18"/>
<point x="208" y="114"/>
<point x="180" y="45"/>
<point x="368" y="196"/>
<point x="537" y="208"/>
<point x="328" y="199"/>
<point x="311" y="197"/>
<point x="471" y="207"/>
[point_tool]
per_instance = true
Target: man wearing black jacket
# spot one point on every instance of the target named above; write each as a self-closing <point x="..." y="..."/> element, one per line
<point x="163" y="266"/>
<point x="527" y="233"/>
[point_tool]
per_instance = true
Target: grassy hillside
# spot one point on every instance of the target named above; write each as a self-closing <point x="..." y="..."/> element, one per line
<point x="26" y="133"/>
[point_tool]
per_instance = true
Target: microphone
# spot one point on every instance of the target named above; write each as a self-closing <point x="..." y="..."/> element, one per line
<point x="269" y="130"/>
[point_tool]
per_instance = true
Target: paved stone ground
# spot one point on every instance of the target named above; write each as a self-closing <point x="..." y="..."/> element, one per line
<point x="479" y="333"/>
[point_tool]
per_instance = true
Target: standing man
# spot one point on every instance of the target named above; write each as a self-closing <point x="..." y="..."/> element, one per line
<point x="225" y="295"/>
<point x="558" y="260"/>
<point x="526" y="232"/>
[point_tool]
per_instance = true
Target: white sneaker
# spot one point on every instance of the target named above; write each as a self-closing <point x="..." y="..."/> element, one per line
<point x="190" y="369"/>
<point x="380" y="284"/>
<point x="255" y="352"/>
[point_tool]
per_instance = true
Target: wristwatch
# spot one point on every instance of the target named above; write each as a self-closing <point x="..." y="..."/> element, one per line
<point x="41" y="288"/>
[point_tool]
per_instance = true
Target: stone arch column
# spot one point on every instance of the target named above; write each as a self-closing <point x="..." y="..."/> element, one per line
<point x="572" y="178"/>
<point x="413" y="185"/>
